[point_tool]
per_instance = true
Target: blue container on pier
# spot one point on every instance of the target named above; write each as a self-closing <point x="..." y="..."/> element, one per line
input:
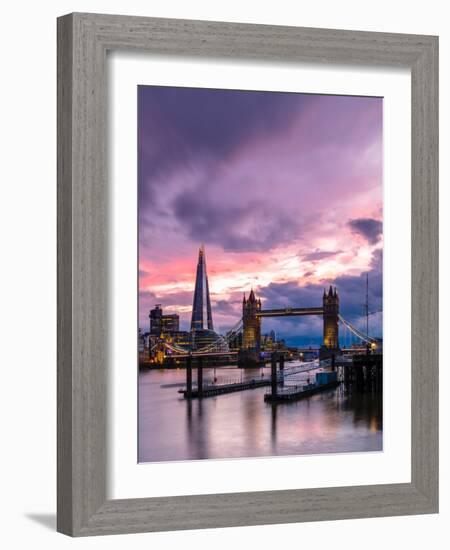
<point x="326" y="377"/>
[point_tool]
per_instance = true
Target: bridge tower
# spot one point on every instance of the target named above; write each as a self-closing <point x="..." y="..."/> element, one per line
<point x="251" y="331"/>
<point x="331" y="319"/>
<point x="251" y="323"/>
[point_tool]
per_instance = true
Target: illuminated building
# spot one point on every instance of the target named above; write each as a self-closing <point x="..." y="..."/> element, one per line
<point x="170" y="324"/>
<point x="163" y="324"/>
<point x="268" y="342"/>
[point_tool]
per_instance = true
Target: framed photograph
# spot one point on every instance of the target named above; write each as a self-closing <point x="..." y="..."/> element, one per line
<point x="247" y="274"/>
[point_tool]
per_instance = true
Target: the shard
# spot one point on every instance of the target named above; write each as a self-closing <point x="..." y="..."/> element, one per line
<point x="201" y="308"/>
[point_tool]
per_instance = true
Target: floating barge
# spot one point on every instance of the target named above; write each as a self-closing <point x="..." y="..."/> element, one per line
<point x="220" y="389"/>
<point x="324" y="381"/>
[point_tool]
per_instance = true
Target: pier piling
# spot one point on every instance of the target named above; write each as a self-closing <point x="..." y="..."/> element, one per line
<point x="274" y="374"/>
<point x="200" y="376"/>
<point x="282" y="369"/>
<point x="189" y="376"/>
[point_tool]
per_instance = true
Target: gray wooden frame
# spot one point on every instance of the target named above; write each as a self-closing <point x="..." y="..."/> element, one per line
<point x="83" y="40"/>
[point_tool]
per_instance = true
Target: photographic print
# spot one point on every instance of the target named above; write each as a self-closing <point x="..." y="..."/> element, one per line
<point x="260" y="223"/>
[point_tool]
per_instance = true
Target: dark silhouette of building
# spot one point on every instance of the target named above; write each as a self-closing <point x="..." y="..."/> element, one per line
<point x="234" y="340"/>
<point x="331" y="319"/>
<point x="163" y="324"/>
<point x="156" y="320"/>
<point x="201" y="308"/>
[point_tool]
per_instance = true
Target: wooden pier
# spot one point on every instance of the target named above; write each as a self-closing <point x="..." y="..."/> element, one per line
<point x="220" y="389"/>
<point x="276" y="378"/>
<point x="298" y="392"/>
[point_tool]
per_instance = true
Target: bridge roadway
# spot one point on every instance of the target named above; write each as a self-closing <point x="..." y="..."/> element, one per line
<point x="290" y="311"/>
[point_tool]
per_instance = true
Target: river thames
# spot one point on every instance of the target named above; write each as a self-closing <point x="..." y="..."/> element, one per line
<point x="241" y="424"/>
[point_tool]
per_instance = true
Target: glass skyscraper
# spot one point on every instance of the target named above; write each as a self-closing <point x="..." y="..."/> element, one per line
<point x="201" y="308"/>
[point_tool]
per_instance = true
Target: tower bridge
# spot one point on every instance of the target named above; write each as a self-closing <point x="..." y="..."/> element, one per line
<point x="203" y="341"/>
<point x="203" y="347"/>
<point x="253" y="313"/>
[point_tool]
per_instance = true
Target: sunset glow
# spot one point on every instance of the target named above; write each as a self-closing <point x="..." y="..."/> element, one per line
<point x="283" y="189"/>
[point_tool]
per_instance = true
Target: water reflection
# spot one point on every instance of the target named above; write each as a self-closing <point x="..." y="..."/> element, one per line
<point x="273" y="430"/>
<point x="242" y="425"/>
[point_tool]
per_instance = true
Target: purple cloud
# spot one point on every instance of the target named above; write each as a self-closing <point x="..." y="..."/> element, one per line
<point x="318" y="255"/>
<point x="194" y="122"/>
<point x="235" y="155"/>
<point x="252" y="226"/>
<point x="368" y="228"/>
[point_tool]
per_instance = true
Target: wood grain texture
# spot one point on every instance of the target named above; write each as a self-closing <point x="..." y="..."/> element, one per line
<point x="425" y="272"/>
<point x="64" y="252"/>
<point x="83" y="40"/>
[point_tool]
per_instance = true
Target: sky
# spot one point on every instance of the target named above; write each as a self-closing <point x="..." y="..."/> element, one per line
<point x="284" y="190"/>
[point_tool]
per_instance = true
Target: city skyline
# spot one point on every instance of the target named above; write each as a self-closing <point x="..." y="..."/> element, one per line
<point x="284" y="190"/>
